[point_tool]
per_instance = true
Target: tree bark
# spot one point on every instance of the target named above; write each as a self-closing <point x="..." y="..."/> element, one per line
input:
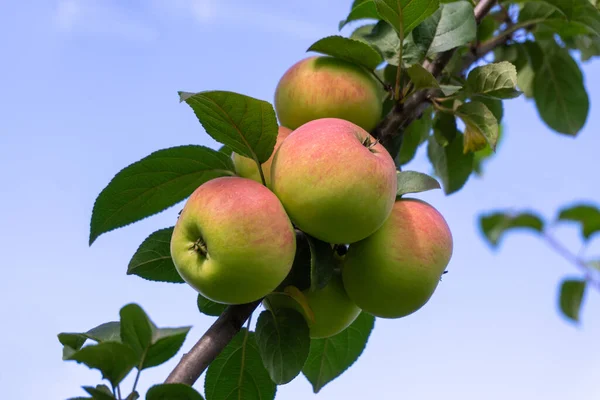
<point x="210" y="345"/>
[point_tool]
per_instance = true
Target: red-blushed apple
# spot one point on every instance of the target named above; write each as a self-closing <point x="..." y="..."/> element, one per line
<point x="332" y="309"/>
<point x="395" y="271"/>
<point x="233" y="241"/>
<point x="327" y="87"/>
<point x="247" y="168"/>
<point x="335" y="181"/>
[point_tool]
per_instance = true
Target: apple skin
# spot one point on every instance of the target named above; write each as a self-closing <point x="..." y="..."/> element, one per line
<point x="394" y="272"/>
<point x="248" y="241"/>
<point x="332" y="186"/>
<point x="246" y="167"/>
<point x="326" y="87"/>
<point x="332" y="308"/>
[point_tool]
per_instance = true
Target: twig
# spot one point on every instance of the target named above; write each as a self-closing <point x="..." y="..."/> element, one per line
<point x="572" y="258"/>
<point x="403" y="114"/>
<point x="386" y="87"/>
<point x="216" y="338"/>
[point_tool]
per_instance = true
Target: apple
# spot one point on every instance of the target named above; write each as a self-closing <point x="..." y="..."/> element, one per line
<point x="247" y="168"/>
<point x="324" y="87"/>
<point x="233" y="241"/>
<point x="335" y="181"/>
<point x="332" y="309"/>
<point x="395" y="271"/>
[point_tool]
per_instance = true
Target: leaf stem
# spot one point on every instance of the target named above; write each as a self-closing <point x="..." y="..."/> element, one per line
<point x="119" y="392"/>
<point x="439" y="107"/>
<point x="386" y="87"/>
<point x="261" y="172"/>
<point x="139" y="370"/>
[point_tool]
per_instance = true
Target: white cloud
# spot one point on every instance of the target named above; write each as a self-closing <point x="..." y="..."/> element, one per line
<point x="102" y="18"/>
<point x="118" y="19"/>
<point x="221" y="12"/>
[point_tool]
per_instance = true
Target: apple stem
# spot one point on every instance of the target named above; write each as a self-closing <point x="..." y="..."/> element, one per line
<point x="199" y="246"/>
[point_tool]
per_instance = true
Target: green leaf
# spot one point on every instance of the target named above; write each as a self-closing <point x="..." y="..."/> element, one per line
<point x="166" y="342"/>
<point x="238" y="372"/>
<point x="152" y="260"/>
<point x="494" y="225"/>
<point x="481" y="156"/>
<point x="529" y="61"/>
<point x="444" y="128"/>
<point x="136" y="329"/>
<point x="451" y="26"/>
<point x="537" y="11"/>
<point x="589" y="46"/>
<point x="412" y="53"/>
<point x="246" y="125"/>
<point x="72" y="341"/>
<point x="100" y="392"/>
<point x="414" y="135"/>
<point x="481" y="126"/>
<point x="495" y="80"/>
<point x="421" y="78"/>
<point x="153" y="346"/>
<point x="155" y="183"/>
<point x="350" y="50"/>
<point x="283" y="342"/>
<point x="173" y="391"/>
<point x="573" y="16"/>
<point x="299" y="276"/>
<point x="495" y="106"/>
<point x="106" y="332"/>
<point x="382" y="37"/>
<point x="560" y="94"/>
<point x="525" y="78"/>
<point x="209" y="307"/>
<point x="486" y="28"/>
<point x="330" y="357"/>
<point x="405" y="15"/>
<point x="571" y="297"/>
<point x="226" y="150"/>
<point x="361" y="9"/>
<point x="133" y="396"/>
<point x="587" y="215"/>
<point x="450" y="163"/>
<point x="114" y="360"/>
<point x="415" y="182"/>
<point x="322" y="263"/>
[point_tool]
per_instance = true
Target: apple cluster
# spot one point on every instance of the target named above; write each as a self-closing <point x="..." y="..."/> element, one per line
<point x="235" y="240"/>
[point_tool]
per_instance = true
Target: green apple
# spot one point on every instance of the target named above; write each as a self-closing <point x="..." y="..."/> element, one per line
<point x="247" y="168"/>
<point x="330" y="310"/>
<point x="395" y="271"/>
<point x="327" y="87"/>
<point x="334" y="180"/>
<point x="233" y="241"/>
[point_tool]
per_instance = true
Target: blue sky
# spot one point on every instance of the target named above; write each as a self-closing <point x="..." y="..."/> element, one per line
<point x="90" y="86"/>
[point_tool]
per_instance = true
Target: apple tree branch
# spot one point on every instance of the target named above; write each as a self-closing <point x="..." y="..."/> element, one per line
<point x="218" y="336"/>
